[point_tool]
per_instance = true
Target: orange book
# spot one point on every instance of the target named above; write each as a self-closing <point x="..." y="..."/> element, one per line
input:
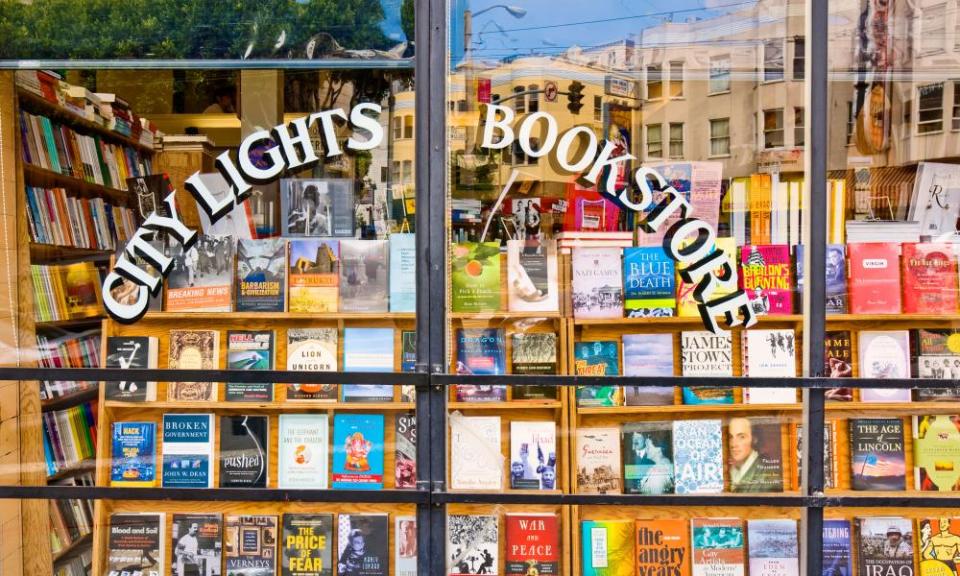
<point x="662" y="547"/>
<point x="761" y="198"/>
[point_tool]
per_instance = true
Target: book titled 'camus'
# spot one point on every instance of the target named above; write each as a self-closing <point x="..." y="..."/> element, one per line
<point x="243" y="451"/>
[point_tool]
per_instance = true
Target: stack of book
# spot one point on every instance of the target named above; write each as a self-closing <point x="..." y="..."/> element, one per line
<point x="68" y="351"/>
<point x="69" y="436"/>
<point x="895" y="231"/>
<point x="70" y="520"/>
<point x="56" y="218"/>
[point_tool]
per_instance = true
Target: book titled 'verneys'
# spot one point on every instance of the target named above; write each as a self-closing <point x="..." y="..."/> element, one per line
<point x="250" y="544"/>
<point x="649" y="282"/>
<point x="244" y="450"/>
<point x="766" y="276"/>
<point x="188" y="450"/>
<point x="358" y="451"/>
<point x="261" y="275"/>
<point x="134" y="454"/>
<point x="302" y="451"/>
<point x="403" y="272"/>
<point x="874" y="278"/>
<point x="877" y="460"/>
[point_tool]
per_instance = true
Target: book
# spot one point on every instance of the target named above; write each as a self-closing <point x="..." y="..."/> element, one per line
<point x="938" y="542"/>
<point x="766" y="276"/>
<point x="704" y="353"/>
<point x="261" y="275"/>
<point x="362" y="545"/>
<point x="884" y="354"/>
<point x="874" y="278"/>
<point x="126" y="352"/>
<point x="755" y="454"/>
<point x="718" y="546"/>
<point x="481" y="351"/>
<point x="405" y="457"/>
<point x="607" y="547"/>
<point x="188" y="450"/>
<point x="367" y="350"/>
<point x="648" y="355"/>
<point x="302" y="451"/>
<point x="193" y="350"/>
<point x="533" y="544"/>
<point x="250" y="350"/>
<point x="534" y="353"/>
<point x="475" y="276"/>
<point x="837" y="557"/>
<point x="79" y="287"/>
<point x="403" y="272"/>
<point x="313" y="275"/>
<point x="935" y="200"/>
<point x="201" y="279"/>
<point x="770" y="354"/>
<point x="936" y="453"/>
<point x="687" y="305"/>
<point x="405" y="545"/>
<point x="835" y="267"/>
<point x="698" y="456"/>
<point x="244" y="451"/>
<point x="134" y="459"/>
<point x="838" y="362"/>
<point x="533" y="455"/>
<point x="885" y="546"/>
<point x="317" y="206"/>
<point x="929" y="278"/>
<point x="473" y="544"/>
<point x="250" y="544"/>
<point x="312" y="350"/>
<point x="599" y="358"/>
<point x="774" y="547"/>
<point x="358" y="451"/>
<point x="197" y="548"/>
<point x="597" y="283"/>
<point x="475" y="459"/>
<point x="135" y="545"/>
<point x="532" y="276"/>
<point x="408" y="351"/>
<point x="649" y="283"/>
<point x="648" y="465"/>
<point x="363" y="276"/>
<point x="829" y="454"/>
<point x="663" y="546"/>
<point x="877" y="459"/>
<point x="937" y="354"/>
<point x="598" y="461"/>
<point x="307" y="545"/>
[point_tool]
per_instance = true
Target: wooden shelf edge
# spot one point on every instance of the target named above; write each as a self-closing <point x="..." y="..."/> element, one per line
<point x="76" y="545"/>
<point x="88" y="465"/>
<point x="53" y="253"/>
<point x="506" y="405"/>
<point x="40" y="324"/>
<point x="295" y="406"/>
<point x="69" y="400"/>
<point x="682" y="320"/>
<point x="221" y="316"/>
<point x="503" y="315"/>
<point x="681" y="408"/>
<point x="39" y="176"/>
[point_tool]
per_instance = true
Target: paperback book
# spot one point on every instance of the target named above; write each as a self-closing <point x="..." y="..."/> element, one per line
<point x="936" y="453"/>
<point x="698" y="456"/>
<point x="362" y="545"/>
<point x="769" y="354"/>
<point x="533" y="455"/>
<point x="405" y="458"/>
<point x="312" y="350"/>
<point x="363" y="276"/>
<point x="307" y="545"/>
<point x="302" y="451"/>
<point x="244" y="451"/>
<point x="481" y="351"/>
<point x="196" y="541"/>
<point x="136" y="545"/>
<point x="408" y="351"/>
<point x="687" y="305"/>
<point x="534" y="353"/>
<point x="358" y="451"/>
<point x="885" y="546"/>
<point x="838" y="362"/>
<point x="251" y="545"/>
<point x="405" y="545"/>
<point x="367" y="350"/>
<point x="937" y="354"/>
<point x="598" y="461"/>
<point x="403" y="273"/>
<point x="837" y="557"/>
<point x="766" y="276"/>
<point x="473" y="544"/>
<point x="755" y="454"/>
<point x="475" y="459"/>
<point x="877" y="460"/>
<point x="532" y="276"/>
<point x="704" y="353"/>
<point x="884" y="355"/>
<point x="250" y="350"/>
<point x="131" y="352"/>
<point x="929" y="279"/>
<point x="774" y="547"/>
<point x="939" y="538"/>
<point x="597" y="283"/>
<point x="718" y="546"/>
<point x="663" y="546"/>
<point x="598" y="358"/>
<point x="829" y="454"/>
<point x="201" y="278"/>
<point x="193" y="350"/>
<point x="261" y="275"/>
<point x="314" y="275"/>
<point x="874" y="278"/>
<point x="607" y="547"/>
<point x="648" y="465"/>
<point x="649" y="283"/>
<point x="317" y="206"/>
<point x="533" y="544"/>
<point x="134" y="460"/>
<point x="188" y="450"/>
<point x="648" y="355"/>
<point x="836" y="278"/>
<point x="475" y="276"/>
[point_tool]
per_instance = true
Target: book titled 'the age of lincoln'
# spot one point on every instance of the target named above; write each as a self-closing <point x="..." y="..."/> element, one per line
<point x="877" y="459"/>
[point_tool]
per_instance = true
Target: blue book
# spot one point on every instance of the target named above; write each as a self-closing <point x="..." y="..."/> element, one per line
<point x="648" y="355"/>
<point x="836" y="278"/>
<point x="597" y="359"/>
<point x="403" y="272"/>
<point x="649" y="283"/>
<point x="134" y="454"/>
<point x="368" y="350"/>
<point x="481" y="351"/>
<point x="698" y="456"/>
<point x="836" y="548"/>
<point x="187" y="450"/>
<point x="358" y="451"/>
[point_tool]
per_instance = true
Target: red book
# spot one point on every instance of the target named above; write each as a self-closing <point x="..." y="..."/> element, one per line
<point x="532" y="545"/>
<point x="765" y="273"/>
<point x="929" y="279"/>
<point x="874" y="281"/>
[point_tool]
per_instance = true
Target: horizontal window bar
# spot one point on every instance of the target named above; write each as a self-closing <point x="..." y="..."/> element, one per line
<point x="698" y="381"/>
<point x="167" y="375"/>
<point x="215" y="494"/>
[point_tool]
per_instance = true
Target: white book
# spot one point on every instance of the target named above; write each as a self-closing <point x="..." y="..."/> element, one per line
<point x="303" y="451"/>
<point x="533" y="455"/>
<point x="405" y="546"/>
<point x="476" y="459"/>
<point x="532" y="276"/>
<point x="738" y="210"/>
<point x="597" y="286"/>
<point x="770" y="354"/>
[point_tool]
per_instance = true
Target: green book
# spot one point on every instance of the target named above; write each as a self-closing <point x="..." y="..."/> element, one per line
<point x="607" y="547"/>
<point x="476" y="276"/>
<point x="51" y="144"/>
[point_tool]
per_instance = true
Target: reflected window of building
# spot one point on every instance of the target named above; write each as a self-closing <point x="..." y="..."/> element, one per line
<point x="773" y="128"/>
<point x="930" y="108"/>
<point x="397" y="127"/>
<point x="798" y="126"/>
<point x="933" y="28"/>
<point x="654" y="141"/>
<point x="720" y="137"/>
<point x="676" y="139"/>
<point x="598" y="108"/>
<point x="851" y="122"/>
<point x="773" y="60"/>
<point x="799" y="58"/>
<point x="676" y="79"/>
<point x="534" y="98"/>
<point x="408" y="126"/>
<point x="654" y="82"/>
<point x="955" y="121"/>
<point x="719" y="74"/>
<point x="519" y="100"/>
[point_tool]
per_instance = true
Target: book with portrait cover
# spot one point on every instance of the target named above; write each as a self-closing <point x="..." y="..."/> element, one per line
<point x="718" y="546"/>
<point x="201" y="279"/>
<point x="597" y="358"/>
<point x="250" y="545"/>
<point x="473" y="544"/>
<point x="698" y="456"/>
<point x="649" y="283"/>
<point x="403" y="272"/>
<point x="197" y="548"/>
<point x="261" y="275"/>
<point x="363" y="276"/>
<point x="939" y="540"/>
<point x="312" y="350"/>
<point x="188" y="450"/>
<point x="405" y="545"/>
<point x="534" y="353"/>
<point x="313" y="268"/>
<point x="317" y="206"/>
<point x="533" y="544"/>
<point x="134" y="462"/>
<point x="704" y="353"/>
<point x="884" y="354"/>
<point x="663" y="546"/>
<point x="648" y="458"/>
<point x="885" y="546"/>
<point x="131" y="352"/>
<point x="874" y="278"/>
<point x="358" y="451"/>
<point x="481" y="351"/>
<point x="937" y="354"/>
<point x="250" y="350"/>
<point x="405" y="460"/>
<point x="244" y="451"/>
<point x="607" y="547"/>
<point x="136" y="545"/>
<point x="475" y="459"/>
<point x="936" y="453"/>
<point x="766" y="276"/>
<point x="475" y="276"/>
<point x="367" y="350"/>
<point x="533" y="455"/>
<point x="362" y="548"/>
<point x="774" y="547"/>
<point x="302" y="451"/>
<point x="597" y="283"/>
<point x="648" y="355"/>
<point x="532" y="276"/>
<point x="193" y="350"/>
<point x="598" y="461"/>
<point x="838" y="362"/>
<point x="770" y="354"/>
<point x="837" y="557"/>
<point x="877" y="460"/>
<point x="307" y="545"/>
<point x="836" y="278"/>
<point x="755" y="454"/>
<point x="929" y="278"/>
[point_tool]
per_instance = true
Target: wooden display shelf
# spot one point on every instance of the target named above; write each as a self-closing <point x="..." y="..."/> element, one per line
<point x="281" y="316"/>
<point x="893" y="318"/>
<point x="37" y="176"/>
<point x="290" y="406"/>
<point x="506" y="405"/>
<point x="689" y="408"/>
<point x="74" y="546"/>
<point x="679" y="320"/>
<point x="67" y="324"/>
<point x="897" y="408"/>
<point x="69" y="400"/>
<point x="501" y="315"/>
<point x="52" y="253"/>
<point x="88" y="465"/>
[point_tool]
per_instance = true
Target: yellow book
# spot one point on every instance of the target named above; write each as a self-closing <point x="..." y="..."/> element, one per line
<point x="686" y="305"/>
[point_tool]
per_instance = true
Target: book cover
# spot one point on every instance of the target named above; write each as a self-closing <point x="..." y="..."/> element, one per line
<point x="197" y="549"/>
<point x="534" y="353"/>
<point x="663" y="546"/>
<point x="81" y="290"/>
<point x="648" y="355"/>
<point x="687" y="305"/>
<point x="533" y="455"/>
<point x="774" y="547"/>
<point x="837" y="558"/>
<point x="408" y="351"/>
<point x="127" y="292"/>
<point x="362" y="545"/>
<point x="403" y="272"/>
<point x="136" y="545"/>
<point x="201" y="279"/>
<point x="405" y="458"/>
<point x="250" y="350"/>
<point x="312" y="350"/>
<point x="766" y="275"/>
<point x="935" y="200"/>
<point x="829" y="454"/>
<point x="649" y="283"/>
<point x="134" y="459"/>
<point x="877" y="460"/>
<point x="363" y="276"/>
<point x="698" y="456"/>
<point x="250" y="544"/>
<point x="405" y="545"/>
<point x="607" y="547"/>
<point x="188" y="450"/>
<point x="597" y="283"/>
<point x="929" y="278"/>
<point x="936" y="453"/>
<point x="532" y="276"/>
<point x="838" y="362"/>
<point x="475" y="459"/>
<point x="473" y="544"/>
<point x="244" y="450"/>
<point x="131" y="352"/>
<point x="937" y="354"/>
<point x="884" y="354"/>
<point x="193" y="350"/>
<point x="874" y="278"/>
<point x="885" y="546"/>
<point x="599" y="358"/>
<point x="302" y="451"/>
<point x="358" y="451"/>
<point x="261" y="275"/>
<point x="533" y="544"/>
<point x="939" y="540"/>
<point x="770" y="354"/>
<point x="307" y="545"/>
<point x="648" y="465"/>
<point x="704" y="353"/>
<point x="317" y="206"/>
<point x="598" y="461"/>
<point x="718" y="546"/>
<point x="481" y="351"/>
<point x="836" y="278"/>
<point x="475" y="276"/>
<point x="367" y="350"/>
<point x="313" y="275"/>
<point x="755" y="454"/>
